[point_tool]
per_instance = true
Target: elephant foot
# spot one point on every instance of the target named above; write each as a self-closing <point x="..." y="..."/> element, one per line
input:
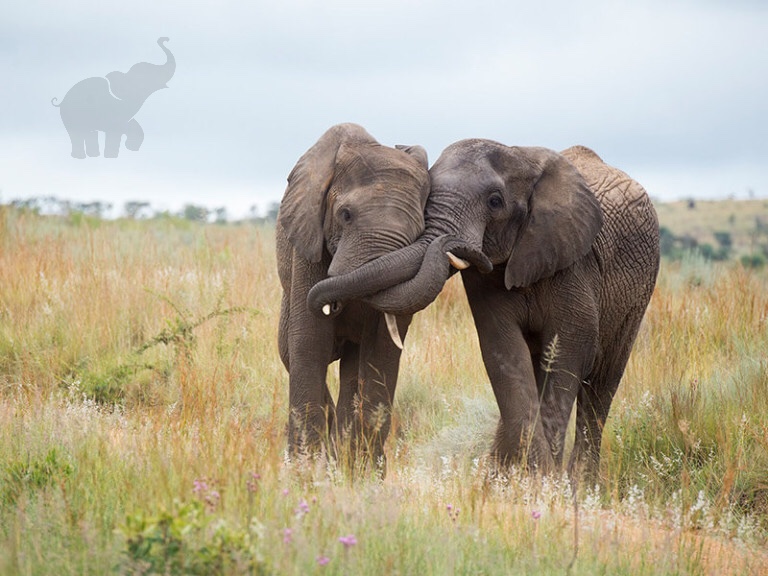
<point x="523" y="449"/>
<point x="132" y="147"/>
<point x="93" y="153"/>
<point x="80" y="155"/>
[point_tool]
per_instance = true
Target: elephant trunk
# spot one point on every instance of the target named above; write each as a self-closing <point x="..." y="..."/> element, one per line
<point x="379" y="274"/>
<point x="169" y="68"/>
<point x="444" y="256"/>
<point x="401" y="282"/>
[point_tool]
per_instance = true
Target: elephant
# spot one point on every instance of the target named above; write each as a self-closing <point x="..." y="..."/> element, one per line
<point x="349" y="200"/>
<point x="109" y="105"/>
<point x="569" y="255"/>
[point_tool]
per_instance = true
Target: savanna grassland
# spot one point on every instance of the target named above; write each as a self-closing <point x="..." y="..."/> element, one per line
<point x="143" y="405"/>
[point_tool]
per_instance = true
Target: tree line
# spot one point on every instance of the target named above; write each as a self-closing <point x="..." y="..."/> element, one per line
<point x="140" y="210"/>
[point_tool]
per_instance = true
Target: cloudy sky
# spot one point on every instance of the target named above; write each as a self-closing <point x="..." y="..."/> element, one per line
<point x="674" y="92"/>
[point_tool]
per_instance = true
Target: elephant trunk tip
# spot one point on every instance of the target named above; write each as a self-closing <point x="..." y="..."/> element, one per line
<point x="53" y="102"/>
<point x="162" y="40"/>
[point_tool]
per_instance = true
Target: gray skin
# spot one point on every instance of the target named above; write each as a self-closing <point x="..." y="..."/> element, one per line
<point x="349" y="200"/>
<point x="109" y="105"/>
<point x="574" y="245"/>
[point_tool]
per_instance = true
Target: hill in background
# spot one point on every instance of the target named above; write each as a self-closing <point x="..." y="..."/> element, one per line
<point x="718" y="229"/>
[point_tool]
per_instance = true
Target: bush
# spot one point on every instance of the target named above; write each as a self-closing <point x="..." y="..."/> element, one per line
<point x="753" y="261"/>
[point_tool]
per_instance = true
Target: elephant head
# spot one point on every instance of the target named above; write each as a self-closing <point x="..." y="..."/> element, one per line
<point x="526" y="209"/>
<point x="353" y="199"/>
<point x="143" y="78"/>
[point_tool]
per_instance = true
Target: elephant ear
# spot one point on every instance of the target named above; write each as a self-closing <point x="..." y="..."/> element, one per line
<point x="119" y="84"/>
<point x="564" y="217"/>
<point x="302" y="210"/>
<point x="417" y="152"/>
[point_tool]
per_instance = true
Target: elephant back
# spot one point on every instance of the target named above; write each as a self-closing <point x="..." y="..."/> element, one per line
<point x="627" y="248"/>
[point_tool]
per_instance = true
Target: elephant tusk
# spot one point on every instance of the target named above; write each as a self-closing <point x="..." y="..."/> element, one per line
<point x="327" y="309"/>
<point x="392" y="328"/>
<point x="457" y="262"/>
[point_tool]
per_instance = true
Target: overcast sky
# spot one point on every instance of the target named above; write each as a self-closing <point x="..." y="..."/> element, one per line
<point x="675" y="93"/>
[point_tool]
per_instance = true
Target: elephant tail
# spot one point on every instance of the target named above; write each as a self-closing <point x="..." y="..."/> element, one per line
<point x="53" y="102"/>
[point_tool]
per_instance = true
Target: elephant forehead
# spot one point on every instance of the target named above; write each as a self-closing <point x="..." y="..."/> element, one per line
<point x="466" y="173"/>
<point x="380" y="165"/>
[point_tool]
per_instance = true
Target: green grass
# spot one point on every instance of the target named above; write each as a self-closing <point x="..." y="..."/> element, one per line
<point x="143" y="406"/>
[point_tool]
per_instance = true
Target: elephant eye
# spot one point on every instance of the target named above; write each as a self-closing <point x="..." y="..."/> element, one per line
<point x="345" y="214"/>
<point x="495" y="201"/>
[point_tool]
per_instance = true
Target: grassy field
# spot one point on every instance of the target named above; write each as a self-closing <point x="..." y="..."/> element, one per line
<point x="143" y="404"/>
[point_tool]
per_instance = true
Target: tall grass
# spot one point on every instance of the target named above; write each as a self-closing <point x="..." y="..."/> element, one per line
<point x="143" y="405"/>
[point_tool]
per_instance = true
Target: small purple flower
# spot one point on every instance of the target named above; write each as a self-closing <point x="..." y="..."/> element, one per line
<point x="323" y="560"/>
<point x="348" y="541"/>
<point x="286" y="491"/>
<point x="200" y="486"/>
<point x="212" y="499"/>
<point x="253" y="483"/>
<point x="449" y="507"/>
<point x="287" y="536"/>
<point x="303" y="508"/>
<point x="535" y="514"/>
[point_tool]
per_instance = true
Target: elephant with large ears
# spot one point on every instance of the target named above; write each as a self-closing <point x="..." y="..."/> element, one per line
<point x="349" y="200"/>
<point x="574" y="249"/>
<point x="109" y="105"/>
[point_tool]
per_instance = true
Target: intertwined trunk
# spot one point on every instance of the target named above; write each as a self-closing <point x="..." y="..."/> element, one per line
<point x="407" y="280"/>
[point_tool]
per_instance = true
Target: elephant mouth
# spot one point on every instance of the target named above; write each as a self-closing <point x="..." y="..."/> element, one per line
<point x="335" y="308"/>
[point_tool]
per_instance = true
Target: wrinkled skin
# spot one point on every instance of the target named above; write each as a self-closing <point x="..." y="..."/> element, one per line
<point x="574" y="245"/>
<point x="349" y="200"/>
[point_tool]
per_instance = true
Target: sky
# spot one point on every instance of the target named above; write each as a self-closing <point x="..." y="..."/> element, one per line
<point x="673" y="92"/>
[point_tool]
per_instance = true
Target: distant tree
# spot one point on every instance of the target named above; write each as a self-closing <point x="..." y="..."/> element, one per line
<point x="666" y="241"/>
<point x="134" y="209"/>
<point x="220" y="215"/>
<point x="195" y="213"/>
<point x="753" y="261"/>
<point x="725" y="241"/>
<point x="96" y="209"/>
<point x="272" y="211"/>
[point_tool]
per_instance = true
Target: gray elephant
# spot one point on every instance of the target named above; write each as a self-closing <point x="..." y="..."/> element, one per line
<point x="109" y="105"/>
<point x="349" y="200"/>
<point x="574" y="249"/>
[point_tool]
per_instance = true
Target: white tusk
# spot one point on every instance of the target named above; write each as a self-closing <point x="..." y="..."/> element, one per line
<point x="393" y="332"/>
<point x="457" y="262"/>
<point x="327" y="309"/>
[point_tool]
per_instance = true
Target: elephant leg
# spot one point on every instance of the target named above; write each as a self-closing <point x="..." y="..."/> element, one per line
<point x="567" y="358"/>
<point x="349" y="387"/>
<point x="379" y="369"/>
<point x="92" y="143"/>
<point x="309" y="351"/>
<point x="520" y="434"/>
<point x="112" y="143"/>
<point x="595" y="398"/>
<point x="134" y="135"/>
<point x="77" y="139"/>
<point x="282" y="331"/>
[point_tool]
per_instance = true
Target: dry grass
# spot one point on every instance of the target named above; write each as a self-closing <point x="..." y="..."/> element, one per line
<point x="141" y="390"/>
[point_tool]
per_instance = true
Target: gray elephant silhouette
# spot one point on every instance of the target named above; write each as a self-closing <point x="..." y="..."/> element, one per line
<point x="109" y="105"/>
